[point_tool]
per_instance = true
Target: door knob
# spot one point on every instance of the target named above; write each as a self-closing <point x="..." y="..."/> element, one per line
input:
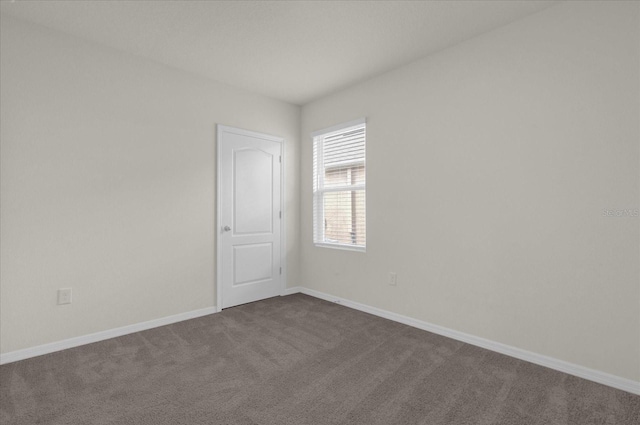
<point x="226" y="228"/>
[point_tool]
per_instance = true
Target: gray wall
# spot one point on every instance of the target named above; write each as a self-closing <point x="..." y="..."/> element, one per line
<point x="489" y="166"/>
<point x="108" y="185"/>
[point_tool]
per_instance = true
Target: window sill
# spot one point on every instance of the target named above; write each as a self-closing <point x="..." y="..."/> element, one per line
<point x="341" y="247"/>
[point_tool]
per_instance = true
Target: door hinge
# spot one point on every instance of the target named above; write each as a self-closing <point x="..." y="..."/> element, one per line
<point x="280" y="214"/>
<point x="280" y="270"/>
<point x="280" y="159"/>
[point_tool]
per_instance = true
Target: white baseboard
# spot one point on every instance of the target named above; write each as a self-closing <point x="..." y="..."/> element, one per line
<point x="291" y="291"/>
<point x="550" y="362"/>
<point x="14" y="356"/>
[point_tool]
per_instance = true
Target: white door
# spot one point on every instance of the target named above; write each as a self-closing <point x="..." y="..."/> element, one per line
<point x="249" y="216"/>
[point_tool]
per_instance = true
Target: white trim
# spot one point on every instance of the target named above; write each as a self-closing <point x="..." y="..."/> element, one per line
<point x="291" y="291"/>
<point x="319" y="190"/>
<point x="283" y="222"/>
<point x="218" y="282"/>
<point x="339" y="127"/>
<point x="26" y="353"/>
<point x="340" y="246"/>
<point x="344" y="188"/>
<point x="283" y="234"/>
<point x="249" y="133"/>
<point x="550" y="362"/>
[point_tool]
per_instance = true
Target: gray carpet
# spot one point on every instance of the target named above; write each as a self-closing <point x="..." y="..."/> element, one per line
<point x="297" y="360"/>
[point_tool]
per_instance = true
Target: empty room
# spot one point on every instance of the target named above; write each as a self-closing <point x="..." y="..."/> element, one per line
<point x="320" y="212"/>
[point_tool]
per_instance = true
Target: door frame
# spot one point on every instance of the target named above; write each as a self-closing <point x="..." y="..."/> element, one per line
<point x="220" y="129"/>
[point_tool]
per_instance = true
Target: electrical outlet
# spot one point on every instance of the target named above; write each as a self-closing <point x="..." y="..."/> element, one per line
<point x="393" y="279"/>
<point x="64" y="296"/>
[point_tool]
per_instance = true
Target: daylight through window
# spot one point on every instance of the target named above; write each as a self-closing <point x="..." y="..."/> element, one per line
<point x="339" y="187"/>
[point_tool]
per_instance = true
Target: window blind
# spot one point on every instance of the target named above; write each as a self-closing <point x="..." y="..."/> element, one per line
<point x="339" y="187"/>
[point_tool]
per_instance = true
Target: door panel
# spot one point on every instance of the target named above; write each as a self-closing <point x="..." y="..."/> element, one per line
<point x="253" y="192"/>
<point x="249" y="223"/>
<point x="252" y="263"/>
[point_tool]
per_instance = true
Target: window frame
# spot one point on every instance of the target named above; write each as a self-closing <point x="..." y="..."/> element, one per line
<point x="318" y="190"/>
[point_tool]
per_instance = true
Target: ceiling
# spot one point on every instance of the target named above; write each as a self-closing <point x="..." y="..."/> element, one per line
<point x="296" y="51"/>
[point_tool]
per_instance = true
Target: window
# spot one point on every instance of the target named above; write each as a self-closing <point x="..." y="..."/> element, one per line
<point x="339" y="187"/>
